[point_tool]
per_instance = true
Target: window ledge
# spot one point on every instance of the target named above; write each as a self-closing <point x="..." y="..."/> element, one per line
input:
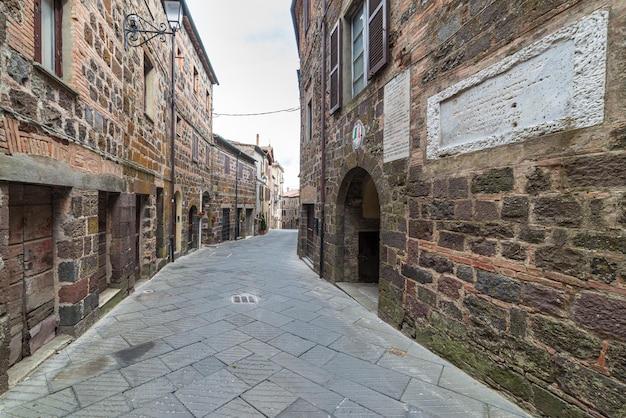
<point x="50" y="75"/>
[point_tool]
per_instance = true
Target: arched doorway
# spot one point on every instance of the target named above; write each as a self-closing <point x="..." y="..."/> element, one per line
<point x="361" y="227"/>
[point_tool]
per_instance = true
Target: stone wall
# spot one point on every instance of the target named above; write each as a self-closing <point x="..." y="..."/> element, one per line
<point x="507" y="260"/>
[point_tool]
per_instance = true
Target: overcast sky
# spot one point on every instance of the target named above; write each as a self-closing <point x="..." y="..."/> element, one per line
<point x="252" y="48"/>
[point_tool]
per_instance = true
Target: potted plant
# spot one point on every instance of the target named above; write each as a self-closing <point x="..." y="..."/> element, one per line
<point x="262" y="226"/>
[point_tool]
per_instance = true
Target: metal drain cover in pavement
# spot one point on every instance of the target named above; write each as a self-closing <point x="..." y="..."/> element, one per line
<point x="244" y="298"/>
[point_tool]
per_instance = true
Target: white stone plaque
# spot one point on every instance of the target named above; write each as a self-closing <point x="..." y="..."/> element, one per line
<point x="553" y="85"/>
<point x="397" y="108"/>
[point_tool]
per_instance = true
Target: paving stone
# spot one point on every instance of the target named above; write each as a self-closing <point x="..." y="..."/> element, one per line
<point x="442" y="402"/>
<point x="239" y="319"/>
<point x="254" y="369"/>
<point x="79" y="372"/>
<point x="233" y="355"/>
<point x="358" y="348"/>
<point x="140" y="336"/>
<point x="350" y="409"/>
<point x="319" y="355"/>
<point x="303" y="368"/>
<point x="182" y="339"/>
<point x="269" y="398"/>
<point x="167" y="405"/>
<point x="27" y="390"/>
<point x="161" y="318"/>
<point x="302" y="409"/>
<point x="57" y="404"/>
<point x="311" y="332"/>
<point x="227" y="340"/>
<point x="119" y="327"/>
<point x="261" y="330"/>
<point x="147" y="392"/>
<point x="186" y="355"/>
<point x="308" y="390"/>
<point x="291" y="344"/>
<point x="101" y="387"/>
<point x="210" y="393"/>
<point x="385" y="381"/>
<point x="145" y="371"/>
<point x="236" y="408"/>
<point x="209" y="366"/>
<point x="269" y="317"/>
<point x="214" y="329"/>
<point x="185" y="376"/>
<point x="299" y="313"/>
<point x="110" y="407"/>
<point x="186" y="324"/>
<point x="368" y="398"/>
<point x="412" y="366"/>
<point x="260" y="348"/>
<point x="141" y="352"/>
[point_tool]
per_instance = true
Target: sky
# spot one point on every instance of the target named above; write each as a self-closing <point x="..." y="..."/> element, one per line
<point x="252" y="48"/>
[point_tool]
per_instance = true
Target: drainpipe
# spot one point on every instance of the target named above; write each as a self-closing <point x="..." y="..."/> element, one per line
<point x="323" y="162"/>
<point x="237" y="196"/>
<point x="173" y="148"/>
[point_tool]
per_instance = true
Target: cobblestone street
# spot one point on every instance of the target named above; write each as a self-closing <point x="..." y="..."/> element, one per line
<point x="292" y="345"/>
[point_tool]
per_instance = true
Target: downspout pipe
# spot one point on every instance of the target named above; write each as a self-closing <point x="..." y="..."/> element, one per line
<point x="237" y="196"/>
<point x="323" y="130"/>
<point x="173" y="147"/>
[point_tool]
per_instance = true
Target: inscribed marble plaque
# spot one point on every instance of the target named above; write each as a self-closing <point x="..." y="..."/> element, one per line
<point x="396" y="129"/>
<point x="553" y="85"/>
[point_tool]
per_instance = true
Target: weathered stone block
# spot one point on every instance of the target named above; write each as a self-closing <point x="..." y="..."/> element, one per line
<point x="515" y="208"/>
<point x="558" y="211"/>
<point x="68" y="271"/>
<point x="605" y="170"/>
<point x="435" y="262"/>
<point x="495" y="181"/>
<point x="616" y="360"/>
<point x="513" y="251"/>
<point x="421" y="229"/>
<point x="451" y="310"/>
<point x="553" y="406"/>
<point x="449" y="286"/>
<point x="415" y="309"/>
<point x="546" y="299"/>
<point x="70" y="314"/>
<point x="566" y="338"/>
<point x="483" y="247"/>
<point x="518" y="322"/>
<point x="497" y="286"/>
<point x="537" y="182"/>
<point x="601" y="312"/>
<point x="484" y="313"/>
<point x="600" y="242"/>
<point x="417" y="274"/>
<point x="72" y="249"/>
<point x="533" y="236"/>
<point x="511" y="381"/>
<point x="498" y="231"/>
<point x="441" y="209"/>
<point x="419" y="189"/>
<point x="458" y="188"/>
<point x="485" y="210"/>
<point x="452" y="241"/>
<point x="427" y="296"/>
<point x="73" y="293"/>
<point x="392" y="276"/>
<point x="394" y="239"/>
<point x="592" y="388"/>
<point x="463" y="210"/>
<point x="465" y="273"/>
<point x="563" y="260"/>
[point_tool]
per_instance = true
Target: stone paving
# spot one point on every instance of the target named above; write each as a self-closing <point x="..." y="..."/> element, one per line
<point x="180" y="347"/>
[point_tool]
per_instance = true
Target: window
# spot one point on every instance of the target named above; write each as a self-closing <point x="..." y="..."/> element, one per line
<point x="48" y="35"/>
<point x="149" y="102"/>
<point x="196" y="82"/>
<point x="194" y="148"/>
<point x="208" y="103"/>
<point x="367" y="43"/>
<point x="207" y="155"/>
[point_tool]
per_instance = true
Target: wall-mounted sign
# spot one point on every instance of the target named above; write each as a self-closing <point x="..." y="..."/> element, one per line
<point x="358" y="132"/>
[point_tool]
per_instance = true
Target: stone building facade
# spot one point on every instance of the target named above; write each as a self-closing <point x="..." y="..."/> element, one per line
<point x="231" y="213"/>
<point x="90" y="199"/>
<point x="468" y="156"/>
<point x="291" y="209"/>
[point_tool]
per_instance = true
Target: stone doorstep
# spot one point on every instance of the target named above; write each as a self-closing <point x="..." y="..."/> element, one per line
<point x="22" y="369"/>
<point x="107" y="295"/>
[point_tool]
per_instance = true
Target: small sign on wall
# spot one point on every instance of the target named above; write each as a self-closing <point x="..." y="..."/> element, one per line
<point x="397" y="109"/>
<point x="357" y="135"/>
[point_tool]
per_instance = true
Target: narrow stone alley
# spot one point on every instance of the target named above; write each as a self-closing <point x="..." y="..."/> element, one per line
<point x="246" y="329"/>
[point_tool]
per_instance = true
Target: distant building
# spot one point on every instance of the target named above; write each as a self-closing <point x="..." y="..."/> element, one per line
<point x="291" y="209"/>
<point x="278" y="175"/>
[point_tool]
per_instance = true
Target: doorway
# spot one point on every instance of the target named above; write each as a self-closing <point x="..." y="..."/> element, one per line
<point x="368" y="258"/>
<point x="225" y="224"/>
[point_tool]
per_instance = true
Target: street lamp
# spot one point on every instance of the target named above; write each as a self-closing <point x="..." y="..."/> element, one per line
<point x="138" y="31"/>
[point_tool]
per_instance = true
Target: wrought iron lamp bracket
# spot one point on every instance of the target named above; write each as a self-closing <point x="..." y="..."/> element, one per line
<point x="138" y="31"/>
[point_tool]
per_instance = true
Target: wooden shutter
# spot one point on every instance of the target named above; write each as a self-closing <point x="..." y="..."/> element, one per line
<point x="377" y="36"/>
<point x="58" y="38"/>
<point x="37" y="30"/>
<point x="335" y="68"/>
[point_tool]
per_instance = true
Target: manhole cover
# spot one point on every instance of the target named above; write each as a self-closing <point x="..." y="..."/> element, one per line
<point x="244" y="298"/>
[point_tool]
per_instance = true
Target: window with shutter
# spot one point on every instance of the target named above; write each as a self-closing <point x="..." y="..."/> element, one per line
<point x="194" y="148"/>
<point x="335" y="68"/>
<point x="378" y="36"/>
